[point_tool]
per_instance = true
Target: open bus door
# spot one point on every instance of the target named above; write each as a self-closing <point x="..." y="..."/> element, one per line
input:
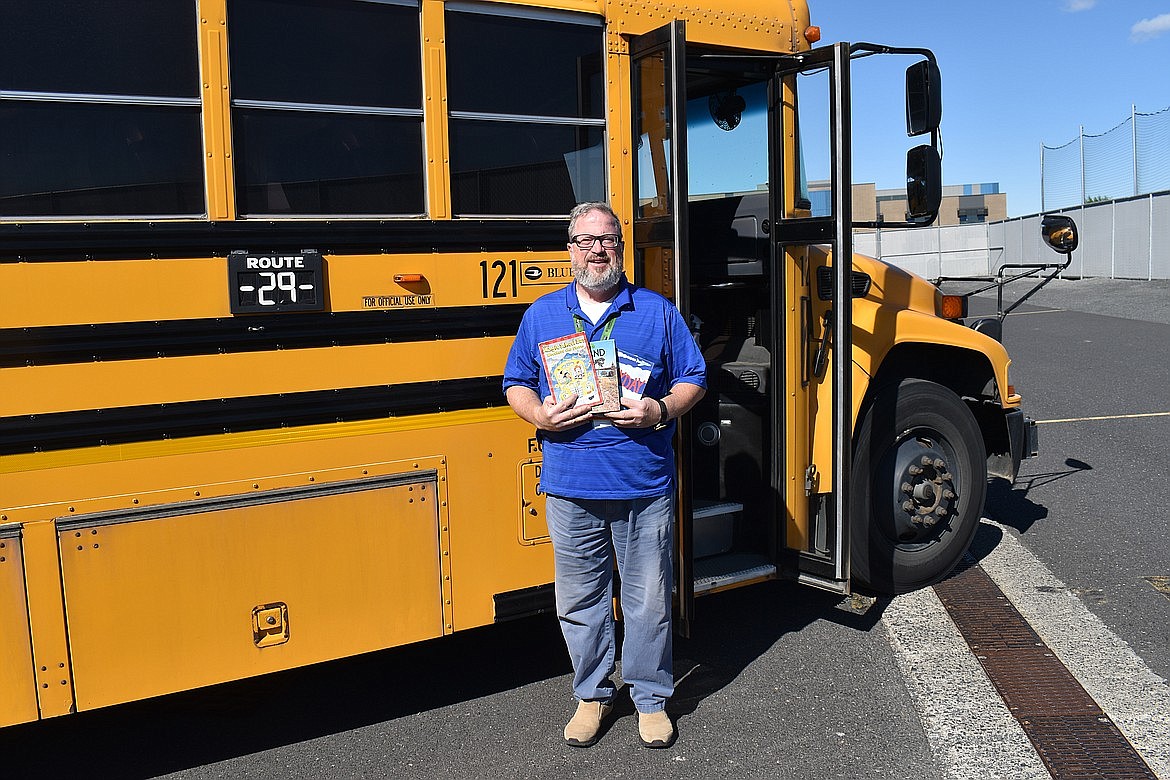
<point x="658" y="73"/>
<point x="764" y="462"/>
<point x="818" y="503"/>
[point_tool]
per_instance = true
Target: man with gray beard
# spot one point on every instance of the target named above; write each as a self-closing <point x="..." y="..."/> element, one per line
<point x="609" y="478"/>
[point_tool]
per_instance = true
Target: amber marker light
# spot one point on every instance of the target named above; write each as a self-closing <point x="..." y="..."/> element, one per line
<point x="812" y="33"/>
<point x="954" y="307"/>
<point x="408" y="278"/>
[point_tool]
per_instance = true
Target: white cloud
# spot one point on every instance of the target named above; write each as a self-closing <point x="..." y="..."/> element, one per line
<point x="1148" y="29"/>
<point x="1072" y="6"/>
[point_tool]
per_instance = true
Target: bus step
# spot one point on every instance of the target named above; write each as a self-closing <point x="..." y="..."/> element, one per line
<point x="715" y="508"/>
<point x="733" y="570"/>
<point x="714" y="524"/>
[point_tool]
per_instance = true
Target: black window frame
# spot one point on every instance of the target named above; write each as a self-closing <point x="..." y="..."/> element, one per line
<point x="242" y="107"/>
<point x="116" y="108"/>
<point x="585" y="126"/>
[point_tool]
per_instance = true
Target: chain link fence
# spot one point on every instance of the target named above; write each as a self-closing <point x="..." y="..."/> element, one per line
<point x="1131" y="158"/>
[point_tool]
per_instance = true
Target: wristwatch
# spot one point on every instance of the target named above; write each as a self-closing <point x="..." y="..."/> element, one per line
<point x="665" y="414"/>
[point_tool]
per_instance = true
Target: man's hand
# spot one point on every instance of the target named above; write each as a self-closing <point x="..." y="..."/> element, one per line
<point x="638" y="413"/>
<point x="553" y="416"/>
<point x="549" y="415"/>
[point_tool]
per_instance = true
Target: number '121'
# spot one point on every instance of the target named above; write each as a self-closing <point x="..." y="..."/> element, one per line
<point x="499" y="279"/>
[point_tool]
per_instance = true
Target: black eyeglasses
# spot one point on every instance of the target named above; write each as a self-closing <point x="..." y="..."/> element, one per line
<point x="586" y="241"/>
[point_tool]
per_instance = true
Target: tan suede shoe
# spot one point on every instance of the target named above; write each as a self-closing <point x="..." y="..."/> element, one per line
<point x="655" y="729"/>
<point x="585" y="727"/>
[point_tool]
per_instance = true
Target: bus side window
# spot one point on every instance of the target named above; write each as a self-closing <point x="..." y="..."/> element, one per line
<point x="327" y="112"/>
<point x="101" y="116"/>
<point x="526" y="99"/>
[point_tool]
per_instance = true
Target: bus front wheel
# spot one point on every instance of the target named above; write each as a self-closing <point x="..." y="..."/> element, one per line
<point x="919" y="481"/>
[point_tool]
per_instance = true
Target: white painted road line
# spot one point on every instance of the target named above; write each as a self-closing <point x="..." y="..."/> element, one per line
<point x="1130" y="693"/>
<point x="971" y="733"/>
<point x="969" y="728"/>
<point x="1106" y="417"/>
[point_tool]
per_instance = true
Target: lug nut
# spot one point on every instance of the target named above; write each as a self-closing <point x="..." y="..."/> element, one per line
<point x="929" y="520"/>
<point x="940" y="464"/>
<point x="942" y="511"/>
<point x="907" y="487"/>
<point x="926" y="460"/>
<point x="908" y="506"/>
<point x="948" y="494"/>
<point x="914" y="470"/>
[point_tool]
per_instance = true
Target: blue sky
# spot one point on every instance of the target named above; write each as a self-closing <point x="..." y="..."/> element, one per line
<point x="1015" y="75"/>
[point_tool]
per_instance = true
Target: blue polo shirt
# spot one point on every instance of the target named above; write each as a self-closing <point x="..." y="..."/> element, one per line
<point x="609" y="462"/>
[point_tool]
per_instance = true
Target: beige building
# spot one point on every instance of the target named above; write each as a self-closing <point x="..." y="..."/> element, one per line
<point x="961" y="203"/>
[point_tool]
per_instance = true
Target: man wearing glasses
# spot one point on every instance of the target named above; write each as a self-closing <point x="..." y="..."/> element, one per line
<point x="609" y="478"/>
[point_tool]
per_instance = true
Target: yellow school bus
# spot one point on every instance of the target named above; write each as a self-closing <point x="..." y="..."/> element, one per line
<point x="261" y="262"/>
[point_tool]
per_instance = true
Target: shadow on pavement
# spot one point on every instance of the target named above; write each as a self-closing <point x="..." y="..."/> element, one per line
<point x="188" y="730"/>
<point x="1009" y="504"/>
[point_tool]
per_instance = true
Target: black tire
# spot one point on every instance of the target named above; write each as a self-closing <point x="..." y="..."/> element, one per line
<point x="919" y="482"/>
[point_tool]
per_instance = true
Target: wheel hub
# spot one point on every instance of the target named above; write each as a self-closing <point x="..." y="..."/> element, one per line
<point x="924" y="489"/>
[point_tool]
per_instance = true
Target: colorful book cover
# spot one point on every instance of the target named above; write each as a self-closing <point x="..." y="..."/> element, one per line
<point x="568" y="366"/>
<point x="605" y="362"/>
<point x="635" y="373"/>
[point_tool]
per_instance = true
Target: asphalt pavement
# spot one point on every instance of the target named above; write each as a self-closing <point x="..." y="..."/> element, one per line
<point x="778" y="680"/>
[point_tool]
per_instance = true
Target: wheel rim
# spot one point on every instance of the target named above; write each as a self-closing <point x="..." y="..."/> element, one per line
<point x="924" y="488"/>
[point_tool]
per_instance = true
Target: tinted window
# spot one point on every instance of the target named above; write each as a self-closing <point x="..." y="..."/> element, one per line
<point x="77" y="159"/>
<point x="537" y="67"/>
<point x="354" y="143"/>
<point x="298" y="162"/>
<point x="102" y="114"/>
<point x="524" y="168"/>
<point x="115" y="47"/>
<point x="527" y="133"/>
<point x="312" y="51"/>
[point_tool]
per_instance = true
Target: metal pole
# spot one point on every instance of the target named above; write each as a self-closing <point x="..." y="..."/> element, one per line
<point x="1042" y="206"/>
<point x="1133" y="129"/>
<point x="1082" y="137"/>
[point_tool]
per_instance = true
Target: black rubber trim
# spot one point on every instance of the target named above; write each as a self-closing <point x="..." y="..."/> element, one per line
<point x="56" y="345"/>
<point x="94" y="427"/>
<point x="36" y="241"/>
<point x="515" y="604"/>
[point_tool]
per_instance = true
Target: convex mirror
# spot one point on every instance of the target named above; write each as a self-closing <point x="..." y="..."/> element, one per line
<point x="1060" y="232"/>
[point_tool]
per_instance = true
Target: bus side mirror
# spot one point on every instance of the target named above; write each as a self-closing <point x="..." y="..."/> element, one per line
<point x="1060" y="232"/>
<point x="923" y="184"/>
<point x="923" y="98"/>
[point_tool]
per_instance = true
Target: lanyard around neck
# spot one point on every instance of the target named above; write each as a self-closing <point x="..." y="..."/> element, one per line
<point x="579" y="321"/>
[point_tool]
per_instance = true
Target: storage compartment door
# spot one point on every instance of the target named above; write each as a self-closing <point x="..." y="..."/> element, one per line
<point x="18" y="687"/>
<point x="189" y="595"/>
